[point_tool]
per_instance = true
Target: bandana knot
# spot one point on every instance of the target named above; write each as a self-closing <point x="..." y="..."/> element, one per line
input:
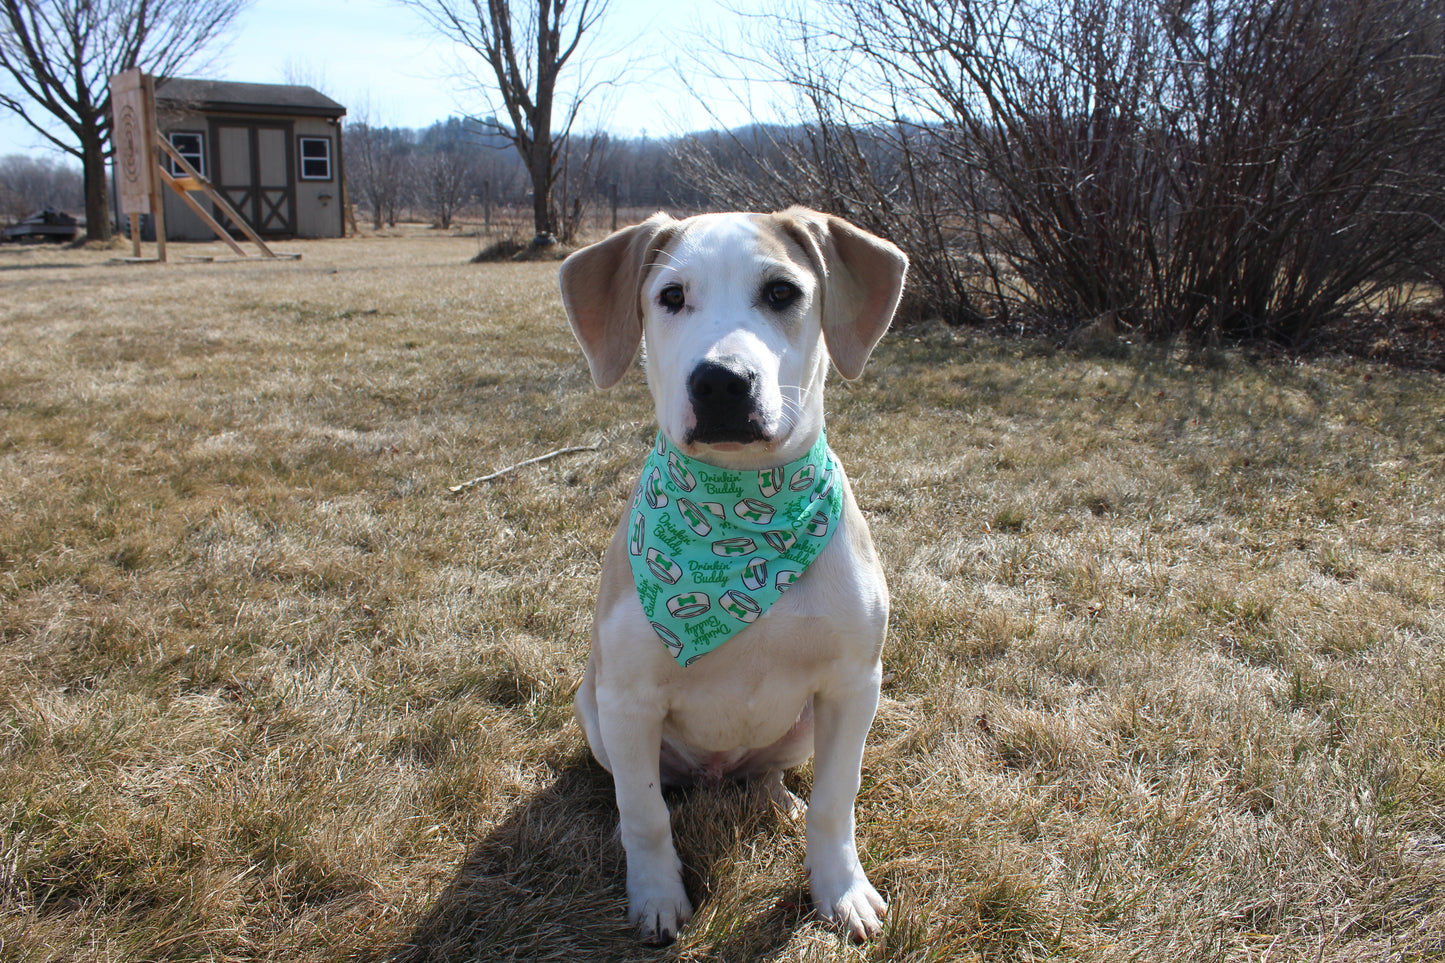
<point x="712" y="549"/>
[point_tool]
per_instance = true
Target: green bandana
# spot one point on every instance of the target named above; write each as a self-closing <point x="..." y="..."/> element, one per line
<point x="712" y="549"/>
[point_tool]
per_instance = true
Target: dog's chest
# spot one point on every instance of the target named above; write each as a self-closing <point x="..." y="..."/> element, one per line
<point x="749" y="693"/>
<point x="735" y="720"/>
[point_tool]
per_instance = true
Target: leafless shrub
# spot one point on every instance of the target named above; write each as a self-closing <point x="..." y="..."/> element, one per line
<point x="1219" y="169"/>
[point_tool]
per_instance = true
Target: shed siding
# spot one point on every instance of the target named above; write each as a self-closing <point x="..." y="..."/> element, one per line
<point x="315" y="210"/>
<point x="181" y="222"/>
<point x="318" y="203"/>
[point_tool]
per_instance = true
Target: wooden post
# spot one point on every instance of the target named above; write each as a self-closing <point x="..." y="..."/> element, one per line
<point x="159" y="220"/>
<point x="158" y="196"/>
<point x="133" y="131"/>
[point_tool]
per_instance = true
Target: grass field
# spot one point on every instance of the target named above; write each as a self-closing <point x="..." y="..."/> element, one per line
<point x="1166" y="671"/>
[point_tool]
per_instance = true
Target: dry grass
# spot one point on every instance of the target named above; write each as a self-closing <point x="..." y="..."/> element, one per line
<point x="1167" y="665"/>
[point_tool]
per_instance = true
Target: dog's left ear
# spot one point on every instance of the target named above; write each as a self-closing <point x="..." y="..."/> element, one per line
<point x="862" y="278"/>
<point x="601" y="286"/>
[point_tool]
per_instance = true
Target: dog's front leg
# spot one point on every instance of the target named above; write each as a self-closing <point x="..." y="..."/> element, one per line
<point x="840" y="888"/>
<point x="656" y="900"/>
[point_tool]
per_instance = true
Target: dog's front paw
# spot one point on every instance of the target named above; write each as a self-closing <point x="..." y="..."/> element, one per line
<point x="658" y="911"/>
<point x="850" y="902"/>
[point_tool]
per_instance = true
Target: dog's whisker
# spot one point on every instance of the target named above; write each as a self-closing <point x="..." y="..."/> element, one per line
<point x="663" y="259"/>
<point x="790" y="404"/>
<point x="796" y="397"/>
<point x="657" y="259"/>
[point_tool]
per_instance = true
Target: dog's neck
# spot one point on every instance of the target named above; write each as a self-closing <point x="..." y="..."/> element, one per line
<point x="713" y="548"/>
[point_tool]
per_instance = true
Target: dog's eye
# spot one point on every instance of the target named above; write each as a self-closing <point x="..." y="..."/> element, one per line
<point x="672" y="297"/>
<point x="780" y="294"/>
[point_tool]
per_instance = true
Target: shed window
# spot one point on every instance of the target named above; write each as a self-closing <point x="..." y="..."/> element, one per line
<point x="315" y="158"/>
<point x="191" y="145"/>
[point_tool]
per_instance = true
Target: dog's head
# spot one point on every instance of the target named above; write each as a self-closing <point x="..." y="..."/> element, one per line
<point x="736" y="311"/>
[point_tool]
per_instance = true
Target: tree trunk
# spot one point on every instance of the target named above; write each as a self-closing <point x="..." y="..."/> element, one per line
<point x="540" y="169"/>
<point x="540" y="161"/>
<point x="97" y="190"/>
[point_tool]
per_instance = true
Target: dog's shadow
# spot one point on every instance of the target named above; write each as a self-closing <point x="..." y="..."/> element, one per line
<point x="548" y="881"/>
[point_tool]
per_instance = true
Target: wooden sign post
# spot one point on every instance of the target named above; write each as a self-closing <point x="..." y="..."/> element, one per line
<point x="133" y="109"/>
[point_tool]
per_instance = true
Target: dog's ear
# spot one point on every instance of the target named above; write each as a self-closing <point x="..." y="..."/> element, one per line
<point x="862" y="279"/>
<point x="601" y="292"/>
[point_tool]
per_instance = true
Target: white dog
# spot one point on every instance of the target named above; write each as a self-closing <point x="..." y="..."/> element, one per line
<point x="692" y="676"/>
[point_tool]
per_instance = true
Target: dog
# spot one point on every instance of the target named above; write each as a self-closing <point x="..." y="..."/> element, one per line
<point x="738" y="315"/>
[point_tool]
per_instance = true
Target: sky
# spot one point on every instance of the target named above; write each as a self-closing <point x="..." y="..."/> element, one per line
<point x="382" y="62"/>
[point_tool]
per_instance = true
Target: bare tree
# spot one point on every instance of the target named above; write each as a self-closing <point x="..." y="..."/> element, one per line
<point x="525" y="45"/>
<point x="62" y="53"/>
<point x="379" y="163"/>
<point x="446" y="176"/>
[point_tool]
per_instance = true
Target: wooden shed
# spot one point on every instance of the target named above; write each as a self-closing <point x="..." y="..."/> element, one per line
<point x="272" y="150"/>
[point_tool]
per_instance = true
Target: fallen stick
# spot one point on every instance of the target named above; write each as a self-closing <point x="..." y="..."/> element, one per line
<point x="471" y="483"/>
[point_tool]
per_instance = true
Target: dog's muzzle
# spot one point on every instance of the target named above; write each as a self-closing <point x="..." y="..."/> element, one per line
<point x="724" y="396"/>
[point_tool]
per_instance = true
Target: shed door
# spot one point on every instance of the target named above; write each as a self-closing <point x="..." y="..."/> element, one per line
<point x="253" y="173"/>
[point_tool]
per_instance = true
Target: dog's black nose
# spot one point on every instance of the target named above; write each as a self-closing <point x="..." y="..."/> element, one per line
<point x="721" y="383"/>
<point x="724" y="399"/>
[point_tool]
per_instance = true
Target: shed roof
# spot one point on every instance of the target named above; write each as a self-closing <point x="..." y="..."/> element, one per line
<point x="229" y="97"/>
